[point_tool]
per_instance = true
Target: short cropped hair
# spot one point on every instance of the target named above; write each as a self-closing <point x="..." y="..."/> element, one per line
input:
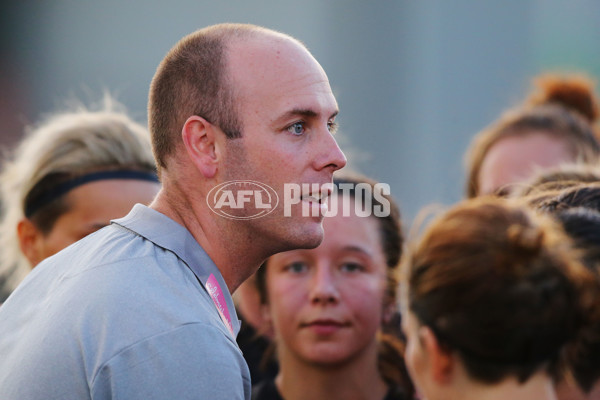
<point x="62" y="147"/>
<point x="193" y="79"/>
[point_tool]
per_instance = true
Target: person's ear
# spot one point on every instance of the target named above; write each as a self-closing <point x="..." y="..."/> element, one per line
<point x="389" y="311"/>
<point x="267" y="321"/>
<point x="30" y="241"/>
<point x="201" y="144"/>
<point x="441" y="358"/>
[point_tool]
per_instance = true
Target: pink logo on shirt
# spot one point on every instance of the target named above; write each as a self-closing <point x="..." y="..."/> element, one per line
<point x="215" y="292"/>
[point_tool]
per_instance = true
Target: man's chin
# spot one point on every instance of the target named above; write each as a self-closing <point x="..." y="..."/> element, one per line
<point x="311" y="239"/>
<point x="313" y="243"/>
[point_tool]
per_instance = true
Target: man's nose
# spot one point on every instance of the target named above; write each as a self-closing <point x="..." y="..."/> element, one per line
<point x="329" y="155"/>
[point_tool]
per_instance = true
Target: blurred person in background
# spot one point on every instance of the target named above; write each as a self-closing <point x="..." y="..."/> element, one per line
<point x="577" y="208"/>
<point x="493" y="294"/>
<point x="69" y="177"/>
<point x="554" y="125"/>
<point x="329" y="307"/>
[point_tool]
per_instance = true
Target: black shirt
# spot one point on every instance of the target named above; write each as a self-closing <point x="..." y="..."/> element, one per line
<point x="266" y="390"/>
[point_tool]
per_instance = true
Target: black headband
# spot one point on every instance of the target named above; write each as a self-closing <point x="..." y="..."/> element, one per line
<point x="48" y="196"/>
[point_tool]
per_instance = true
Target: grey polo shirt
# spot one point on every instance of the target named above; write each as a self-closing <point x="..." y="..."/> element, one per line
<point x="121" y="314"/>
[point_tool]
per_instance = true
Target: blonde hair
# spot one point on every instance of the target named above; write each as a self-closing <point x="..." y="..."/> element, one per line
<point x="65" y="145"/>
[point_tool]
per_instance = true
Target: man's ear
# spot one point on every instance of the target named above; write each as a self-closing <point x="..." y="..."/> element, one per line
<point x="441" y="359"/>
<point x="30" y="241"/>
<point x="201" y="144"/>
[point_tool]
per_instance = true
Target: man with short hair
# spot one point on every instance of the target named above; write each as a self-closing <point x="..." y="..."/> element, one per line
<point x="142" y="308"/>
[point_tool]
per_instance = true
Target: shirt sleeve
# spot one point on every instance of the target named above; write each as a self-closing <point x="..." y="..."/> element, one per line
<point x="194" y="361"/>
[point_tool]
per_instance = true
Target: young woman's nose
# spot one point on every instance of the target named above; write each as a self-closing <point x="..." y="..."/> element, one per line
<point x="323" y="286"/>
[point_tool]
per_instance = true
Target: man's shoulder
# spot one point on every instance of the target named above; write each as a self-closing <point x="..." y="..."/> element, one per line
<point x="195" y="360"/>
<point x="112" y="253"/>
<point x="119" y="274"/>
<point x="118" y="265"/>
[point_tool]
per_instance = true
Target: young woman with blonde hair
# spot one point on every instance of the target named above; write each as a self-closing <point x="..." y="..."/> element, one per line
<point x="70" y="176"/>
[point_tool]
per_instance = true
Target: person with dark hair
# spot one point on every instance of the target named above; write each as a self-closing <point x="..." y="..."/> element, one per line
<point x="558" y="178"/>
<point x="552" y="127"/>
<point x="494" y="293"/>
<point x="555" y="200"/>
<point x="581" y="380"/>
<point x="329" y="306"/>
<point x="577" y="210"/>
<point x="142" y="308"/>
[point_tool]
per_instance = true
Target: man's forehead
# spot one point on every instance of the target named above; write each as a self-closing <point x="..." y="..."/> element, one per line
<point x="267" y="58"/>
<point x="305" y="113"/>
<point x="280" y="71"/>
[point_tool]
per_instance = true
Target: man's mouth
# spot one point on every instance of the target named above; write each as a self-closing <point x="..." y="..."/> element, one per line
<point x="318" y="200"/>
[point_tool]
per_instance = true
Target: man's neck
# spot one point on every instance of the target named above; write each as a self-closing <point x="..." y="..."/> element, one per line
<point x="231" y="254"/>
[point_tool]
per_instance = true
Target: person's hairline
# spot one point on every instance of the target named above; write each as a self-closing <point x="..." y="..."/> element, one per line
<point x="262" y="36"/>
<point x="521" y="132"/>
<point x="229" y="39"/>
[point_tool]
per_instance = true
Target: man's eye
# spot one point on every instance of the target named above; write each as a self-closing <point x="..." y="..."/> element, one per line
<point x="296" y="129"/>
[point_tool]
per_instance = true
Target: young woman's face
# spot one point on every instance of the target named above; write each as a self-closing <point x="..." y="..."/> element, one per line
<point x="514" y="159"/>
<point x="91" y="207"/>
<point x="326" y="304"/>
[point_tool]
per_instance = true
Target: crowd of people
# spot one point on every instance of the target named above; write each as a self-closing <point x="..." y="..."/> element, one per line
<point x="117" y="274"/>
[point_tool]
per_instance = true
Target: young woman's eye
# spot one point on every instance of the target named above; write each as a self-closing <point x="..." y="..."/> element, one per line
<point x="352" y="267"/>
<point x="297" y="128"/>
<point x="296" y="267"/>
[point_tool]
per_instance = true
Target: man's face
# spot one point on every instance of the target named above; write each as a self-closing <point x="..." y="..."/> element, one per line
<point x="287" y="111"/>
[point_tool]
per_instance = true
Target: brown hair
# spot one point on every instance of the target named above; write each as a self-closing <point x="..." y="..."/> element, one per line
<point x="583" y="225"/>
<point x="577" y="209"/>
<point x="192" y="79"/>
<point x="561" y="177"/>
<point x="581" y="195"/>
<point x="391" y="349"/>
<point x="565" y="107"/>
<point x="498" y="284"/>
